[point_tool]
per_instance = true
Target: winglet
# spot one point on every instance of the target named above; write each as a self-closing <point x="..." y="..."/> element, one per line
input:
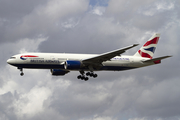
<point x="135" y="45"/>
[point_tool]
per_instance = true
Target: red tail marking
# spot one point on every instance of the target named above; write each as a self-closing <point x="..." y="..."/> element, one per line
<point x="153" y="41"/>
<point x="144" y="54"/>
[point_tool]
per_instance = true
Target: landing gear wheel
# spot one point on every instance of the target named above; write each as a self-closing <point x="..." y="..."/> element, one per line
<point x="95" y="75"/>
<point x="88" y="73"/>
<point x="79" y="77"/>
<point x="91" y="74"/>
<point x="21" y="69"/>
<point x="86" y="79"/>
<point x="82" y="77"/>
<point x="21" y="74"/>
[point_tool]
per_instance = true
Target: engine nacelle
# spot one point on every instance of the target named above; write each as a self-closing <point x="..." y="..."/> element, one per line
<point x="58" y="72"/>
<point x="72" y="65"/>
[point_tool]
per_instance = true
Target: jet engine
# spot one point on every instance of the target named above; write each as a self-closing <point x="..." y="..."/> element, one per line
<point x="72" y="65"/>
<point x="58" y="72"/>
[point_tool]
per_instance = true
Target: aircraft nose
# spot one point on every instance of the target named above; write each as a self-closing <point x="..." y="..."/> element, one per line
<point x="8" y="61"/>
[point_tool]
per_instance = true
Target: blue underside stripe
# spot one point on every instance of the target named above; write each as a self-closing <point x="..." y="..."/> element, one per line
<point x="39" y="66"/>
<point x="43" y="66"/>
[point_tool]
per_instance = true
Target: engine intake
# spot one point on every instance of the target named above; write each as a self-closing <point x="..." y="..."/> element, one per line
<point x="72" y="65"/>
<point x="58" y="72"/>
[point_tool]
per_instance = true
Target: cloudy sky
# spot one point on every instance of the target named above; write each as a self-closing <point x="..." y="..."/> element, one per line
<point x="89" y="26"/>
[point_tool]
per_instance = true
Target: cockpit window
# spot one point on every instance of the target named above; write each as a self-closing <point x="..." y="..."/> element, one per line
<point x="12" y="57"/>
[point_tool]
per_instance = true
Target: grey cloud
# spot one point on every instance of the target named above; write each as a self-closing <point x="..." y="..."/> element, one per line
<point x="134" y="14"/>
<point x="12" y="10"/>
<point x="81" y="35"/>
<point x="140" y="94"/>
<point x="6" y="110"/>
<point x="41" y="19"/>
<point x="11" y="15"/>
<point x="156" y="102"/>
<point x="125" y="10"/>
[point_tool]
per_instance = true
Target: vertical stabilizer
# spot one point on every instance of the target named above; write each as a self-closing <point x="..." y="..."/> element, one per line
<point x="148" y="49"/>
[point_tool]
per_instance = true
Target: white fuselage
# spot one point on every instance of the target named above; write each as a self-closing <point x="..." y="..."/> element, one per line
<point x="56" y="61"/>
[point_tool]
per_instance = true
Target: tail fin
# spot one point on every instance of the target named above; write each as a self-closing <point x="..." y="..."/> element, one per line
<point x="148" y="49"/>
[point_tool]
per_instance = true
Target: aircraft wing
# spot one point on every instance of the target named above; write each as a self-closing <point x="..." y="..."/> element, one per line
<point x="106" y="56"/>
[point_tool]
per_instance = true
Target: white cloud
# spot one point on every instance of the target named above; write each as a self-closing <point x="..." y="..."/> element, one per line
<point x="30" y="45"/>
<point x="9" y="86"/>
<point x="70" y="23"/>
<point x="98" y="10"/>
<point x="96" y="117"/>
<point x="119" y="7"/>
<point x="157" y="8"/>
<point x="59" y="8"/>
<point x="31" y="103"/>
<point x="164" y="6"/>
<point x="45" y="17"/>
<point x="138" y="118"/>
<point x="22" y="45"/>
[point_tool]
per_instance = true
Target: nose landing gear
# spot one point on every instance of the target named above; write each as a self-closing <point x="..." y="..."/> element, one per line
<point x="21" y="69"/>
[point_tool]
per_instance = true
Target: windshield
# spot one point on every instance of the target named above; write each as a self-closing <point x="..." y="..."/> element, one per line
<point x="12" y="57"/>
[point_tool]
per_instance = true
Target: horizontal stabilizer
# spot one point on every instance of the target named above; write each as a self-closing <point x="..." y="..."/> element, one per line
<point x="156" y="59"/>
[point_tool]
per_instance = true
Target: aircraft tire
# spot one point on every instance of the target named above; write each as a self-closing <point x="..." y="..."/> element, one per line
<point x="86" y="78"/>
<point x="83" y="77"/>
<point x="21" y="74"/>
<point x="95" y="75"/>
<point x="91" y="74"/>
<point x="79" y="77"/>
<point x="87" y="73"/>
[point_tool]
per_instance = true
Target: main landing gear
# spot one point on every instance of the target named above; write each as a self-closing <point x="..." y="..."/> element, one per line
<point x="21" y="69"/>
<point x="83" y="77"/>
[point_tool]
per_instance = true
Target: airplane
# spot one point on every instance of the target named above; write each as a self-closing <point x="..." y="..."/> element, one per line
<point x="62" y="63"/>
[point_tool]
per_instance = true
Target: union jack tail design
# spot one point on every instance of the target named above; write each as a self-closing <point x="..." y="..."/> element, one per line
<point x="147" y="50"/>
